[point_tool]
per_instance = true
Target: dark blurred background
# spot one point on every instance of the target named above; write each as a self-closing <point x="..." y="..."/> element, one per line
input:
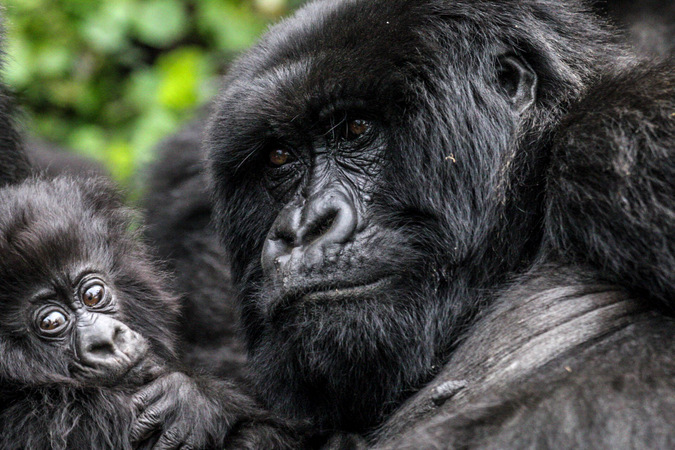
<point x="109" y="79"/>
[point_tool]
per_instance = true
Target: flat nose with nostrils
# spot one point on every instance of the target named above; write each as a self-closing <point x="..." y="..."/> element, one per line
<point x="303" y="227"/>
<point x="102" y="341"/>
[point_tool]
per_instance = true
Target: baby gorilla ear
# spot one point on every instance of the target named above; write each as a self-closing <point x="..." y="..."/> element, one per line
<point x="518" y="81"/>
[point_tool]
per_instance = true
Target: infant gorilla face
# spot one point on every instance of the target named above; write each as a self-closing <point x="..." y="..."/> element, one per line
<point x="77" y="321"/>
<point x="75" y="287"/>
<point x="87" y="334"/>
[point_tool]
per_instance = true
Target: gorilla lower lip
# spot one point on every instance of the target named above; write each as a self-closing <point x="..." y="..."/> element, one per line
<point x="345" y="293"/>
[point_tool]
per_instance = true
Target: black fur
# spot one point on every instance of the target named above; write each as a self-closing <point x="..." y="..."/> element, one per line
<point x="179" y="225"/>
<point x="560" y="360"/>
<point x="454" y="205"/>
<point x="611" y="187"/>
<point x="49" y="232"/>
<point x="578" y="353"/>
<point x="14" y="165"/>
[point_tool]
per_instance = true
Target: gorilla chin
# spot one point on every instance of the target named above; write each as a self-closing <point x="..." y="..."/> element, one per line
<point x="317" y="351"/>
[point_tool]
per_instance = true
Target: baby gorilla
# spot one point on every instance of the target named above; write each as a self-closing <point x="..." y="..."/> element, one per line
<point x="87" y="336"/>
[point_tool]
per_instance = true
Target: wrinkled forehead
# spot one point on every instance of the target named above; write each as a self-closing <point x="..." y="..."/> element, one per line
<point x="334" y="52"/>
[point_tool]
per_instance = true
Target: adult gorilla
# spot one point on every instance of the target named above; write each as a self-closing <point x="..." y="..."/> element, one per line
<point x="179" y="220"/>
<point x="380" y="171"/>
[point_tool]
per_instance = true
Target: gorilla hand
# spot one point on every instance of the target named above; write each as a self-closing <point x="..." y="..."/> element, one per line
<point x="177" y="411"/>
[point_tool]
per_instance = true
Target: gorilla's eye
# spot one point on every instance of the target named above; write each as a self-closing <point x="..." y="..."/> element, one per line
<point x="93" y="294"/>
<point x="53" y="322"/>
<point x="280" y="157"/>
<point x="357" y="128"/>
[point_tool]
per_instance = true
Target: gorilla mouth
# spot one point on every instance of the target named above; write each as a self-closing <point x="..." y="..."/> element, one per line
<point x="346" y="292"/>
<point x="116" y="368"/>
<point x="329" y="293"/>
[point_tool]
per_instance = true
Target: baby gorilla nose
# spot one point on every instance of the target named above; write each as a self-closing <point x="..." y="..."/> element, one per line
<point x="108" y="347"/>
<point x="304" y="229"/>
<point x="104" y="343"/>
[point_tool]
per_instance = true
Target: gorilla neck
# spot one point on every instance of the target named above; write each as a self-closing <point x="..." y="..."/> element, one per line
<point x="347" y="366"/>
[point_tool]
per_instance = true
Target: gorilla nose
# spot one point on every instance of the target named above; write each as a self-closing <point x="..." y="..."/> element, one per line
<point x="304" y="229"/>
<point x="330" y="219"/>
<point x="104" y="341"/>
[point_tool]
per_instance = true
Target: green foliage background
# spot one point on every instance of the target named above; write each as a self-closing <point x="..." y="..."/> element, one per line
<point x="111" y="78"/>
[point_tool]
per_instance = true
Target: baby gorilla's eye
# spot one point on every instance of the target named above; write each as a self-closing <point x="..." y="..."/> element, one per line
<point x="93" y="294"/>
<point x="53" y="322"/>
<point x="357" y="128"/>
<point x="280" y="157"/>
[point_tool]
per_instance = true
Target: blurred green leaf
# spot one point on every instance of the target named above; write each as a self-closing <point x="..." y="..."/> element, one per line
<point x="141" y="89"/>
<point x="160" y="22"/>
<point x="271" y="8"/>
<point x="24" y="4"/>
<point x="235" y="27"/>
<point x="65" y="92"/>
<point x="152" y="127"/>
<point x="89" y="140"/>
<point x="53" y="61"/>
<point x="181" y="72"/>
<point x="19" y="67"/>
<point x="107" y="29"/>
<point x="111" y="79"/>
<point x="120" y="159"/>
<point x="87" y="101"/>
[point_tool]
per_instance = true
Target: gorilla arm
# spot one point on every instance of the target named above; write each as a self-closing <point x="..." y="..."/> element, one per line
<point x="558" y="361"/>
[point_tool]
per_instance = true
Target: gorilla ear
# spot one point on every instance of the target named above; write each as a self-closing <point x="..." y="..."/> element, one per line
<point x="519" y="82"/>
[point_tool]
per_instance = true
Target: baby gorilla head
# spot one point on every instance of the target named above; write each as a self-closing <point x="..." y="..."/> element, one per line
<point x="104" y="349"/>
<point x="81" y="301"/>
<point x="86" y="336"/>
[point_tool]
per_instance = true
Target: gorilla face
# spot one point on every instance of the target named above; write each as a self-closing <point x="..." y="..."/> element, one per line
<point x="81" y="337"/>
<point x="359" y="156"/>
<point x="82" y="304"/>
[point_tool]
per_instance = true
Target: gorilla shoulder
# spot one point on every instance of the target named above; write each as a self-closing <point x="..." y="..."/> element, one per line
<point x="612" y="182"/>
<point x="527" y="377"/>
